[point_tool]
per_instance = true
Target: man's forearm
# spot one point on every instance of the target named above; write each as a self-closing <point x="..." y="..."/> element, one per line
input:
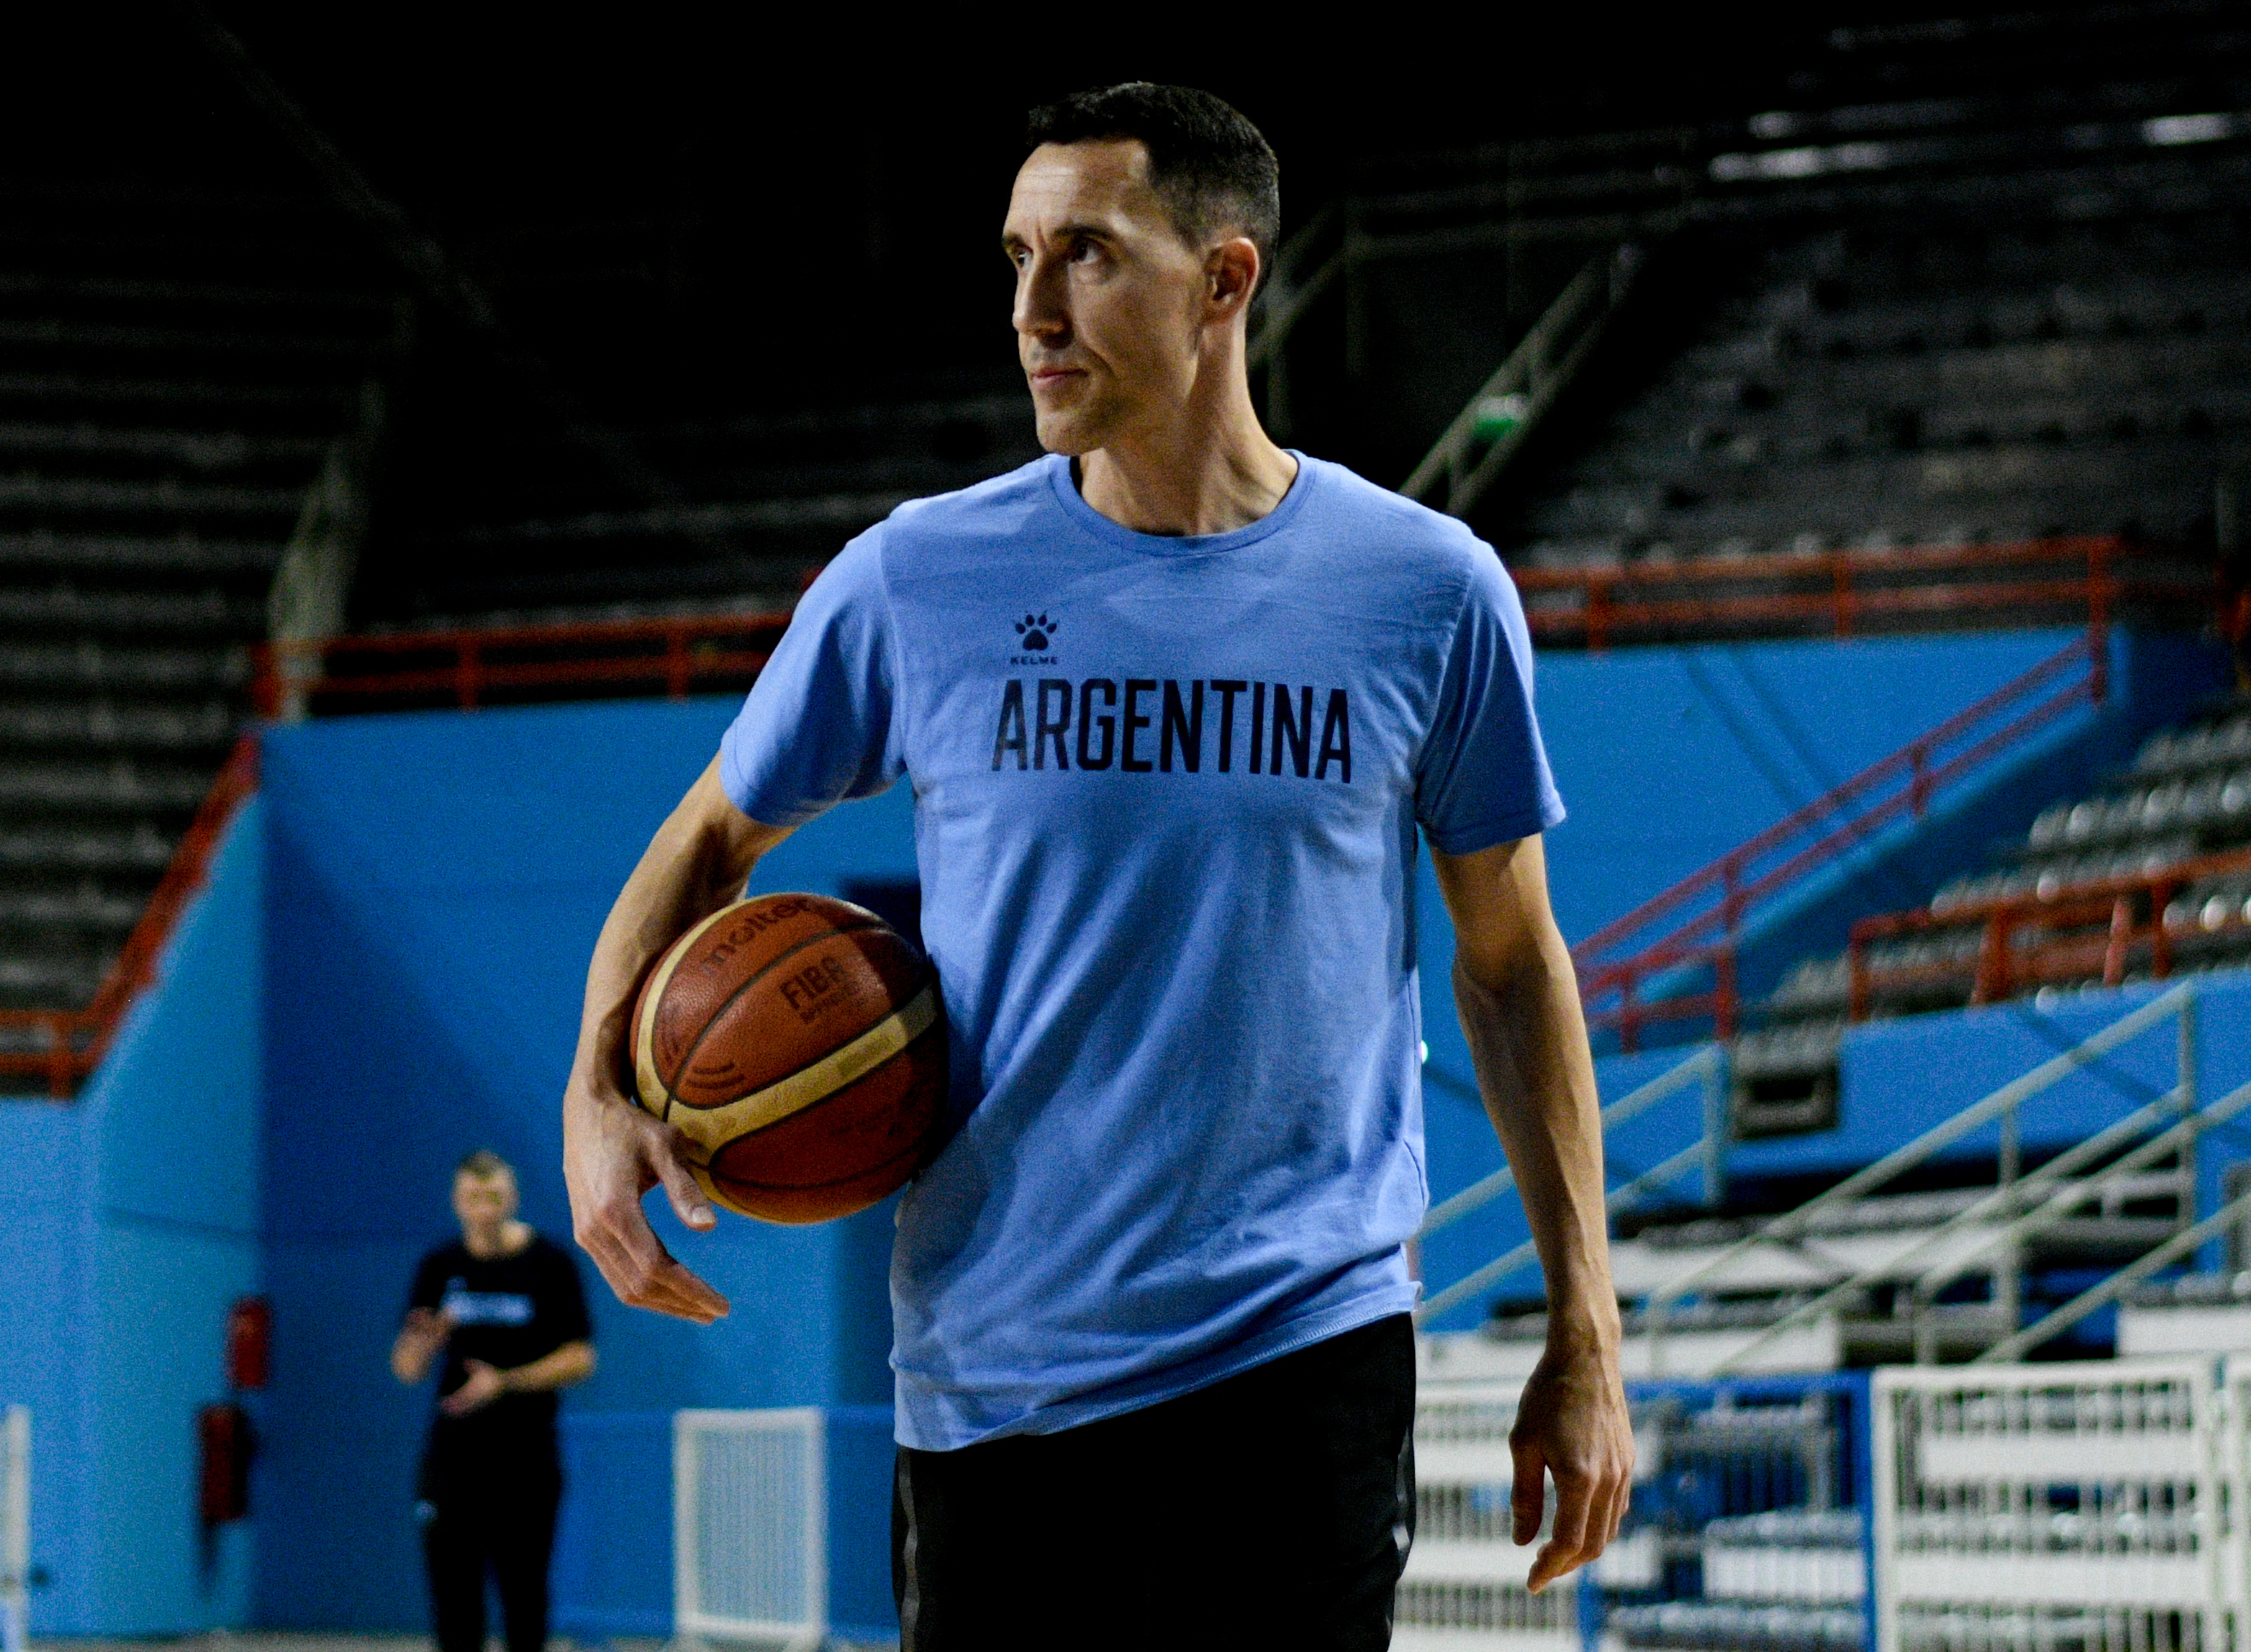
<point x="572" y="1362"/>
<point x="1528" y="1038"/>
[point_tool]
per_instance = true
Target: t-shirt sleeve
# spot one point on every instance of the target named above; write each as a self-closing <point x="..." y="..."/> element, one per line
<point x="821" y="722"/>
<point x="429" y="1287"/>
<point x="563" y="1312"/>
<point x="1482" y="777"/>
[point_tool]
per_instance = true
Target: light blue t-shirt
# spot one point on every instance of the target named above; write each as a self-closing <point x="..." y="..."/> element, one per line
<point x="1167" y="792"/>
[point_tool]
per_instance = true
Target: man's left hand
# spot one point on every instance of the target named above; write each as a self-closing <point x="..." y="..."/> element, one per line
<point x="1572" y="1425"/>
<point x="484" y="1385"/>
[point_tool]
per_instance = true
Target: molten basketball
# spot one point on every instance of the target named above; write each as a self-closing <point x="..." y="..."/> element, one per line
<point x="799" y="1044"/>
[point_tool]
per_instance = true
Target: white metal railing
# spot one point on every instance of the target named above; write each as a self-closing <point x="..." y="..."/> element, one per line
<point x="2001" y="1108"/>
<point x="2052" y="1505"/>
<point x="1463" y="1583"/>
<point x="15" y="1527"/>
<point x="750" y="1527"/>
<point x="1291" y="288"/>
<point x="1487" y="433"/>
<point x="1708" y="1067"/>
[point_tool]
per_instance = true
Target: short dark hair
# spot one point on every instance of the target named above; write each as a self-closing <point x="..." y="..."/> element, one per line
<point x="484" y="1164"/>
<point x="1212" y="168"/>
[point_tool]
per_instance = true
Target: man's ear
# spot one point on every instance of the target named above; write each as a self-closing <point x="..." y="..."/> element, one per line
<point x="1231" y="272"/>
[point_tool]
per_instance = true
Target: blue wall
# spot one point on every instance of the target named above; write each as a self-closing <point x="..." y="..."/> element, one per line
<point x="1669" y="757"/>
<point x="129" y="1223"/>
<point x="436" y="885"/>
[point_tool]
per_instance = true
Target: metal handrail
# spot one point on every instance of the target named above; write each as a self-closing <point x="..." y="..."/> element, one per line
<point x="1944" y="1134"/>
<point x="1840" y="590"/>
<point x="1537" y="370"/>
<point x="2116" y="1285"/>
<point x="1512" y="1260"/>
<point x="1705" y="1063"/>
<point x="1846" y="816"/>
<point x="1288" y="295"/>
<point x="1710" y="1150"/>
<point x="2052" y="1208"/>
<point x="1995" y="972"/>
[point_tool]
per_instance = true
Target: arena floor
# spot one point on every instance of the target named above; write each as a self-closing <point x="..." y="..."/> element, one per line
<point x="228" y="1642"/>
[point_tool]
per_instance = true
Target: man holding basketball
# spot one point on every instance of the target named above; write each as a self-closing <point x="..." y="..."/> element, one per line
<point x="1154" y="1363"/>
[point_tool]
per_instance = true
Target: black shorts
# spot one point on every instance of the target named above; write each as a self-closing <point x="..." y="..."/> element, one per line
<point x="1273" y="1509"/>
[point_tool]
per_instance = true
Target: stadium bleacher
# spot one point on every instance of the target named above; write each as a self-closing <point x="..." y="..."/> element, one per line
<point x="766" y="499"/>
<point x="1883" y="386"/>
<point x="2157" y="840"/>
<point x="172" y="391"/>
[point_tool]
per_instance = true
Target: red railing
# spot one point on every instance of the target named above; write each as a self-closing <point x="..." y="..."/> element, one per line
<point x="77" y="1040"/>
<point x="1843" y="592"/>
<point x="1695" y="926"/>
<point x="1839" y="592"/>
<point x="467" y="667"/>
<point x="2078" y="932"/>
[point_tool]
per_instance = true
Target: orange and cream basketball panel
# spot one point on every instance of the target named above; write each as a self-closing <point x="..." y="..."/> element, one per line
<point x="798" y="1043"/>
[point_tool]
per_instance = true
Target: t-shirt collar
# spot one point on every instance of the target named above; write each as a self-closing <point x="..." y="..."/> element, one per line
<point x="1085" y="516"/>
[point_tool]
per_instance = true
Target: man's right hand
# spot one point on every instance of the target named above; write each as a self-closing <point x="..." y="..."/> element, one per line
<point x="612" y="1153"/>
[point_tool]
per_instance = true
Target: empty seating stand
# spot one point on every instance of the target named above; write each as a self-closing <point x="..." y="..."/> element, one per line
<point x="163" y="410"/>
<point x="2150" y="877"/>
<point x="1946" y="383"/>
<point x="775" y="497"/>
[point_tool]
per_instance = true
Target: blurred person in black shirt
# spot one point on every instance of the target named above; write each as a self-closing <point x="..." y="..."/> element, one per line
<point x="505" y="1309"/>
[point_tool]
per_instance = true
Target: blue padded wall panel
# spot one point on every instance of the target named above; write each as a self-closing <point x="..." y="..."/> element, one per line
<point x="129" y="1223"/>
<point x="613" y="1543"/>
<point x="47" y="1304"/>
<point x="173" y="1113"/>
<point x="436" y="885"/>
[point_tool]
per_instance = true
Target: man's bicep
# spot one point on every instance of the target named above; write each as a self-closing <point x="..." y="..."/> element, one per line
<point x="708" y="802"/>
<point x="821" y="724"/>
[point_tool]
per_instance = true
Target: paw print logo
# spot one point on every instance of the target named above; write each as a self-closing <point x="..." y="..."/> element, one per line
<point x="1035" y="630"/>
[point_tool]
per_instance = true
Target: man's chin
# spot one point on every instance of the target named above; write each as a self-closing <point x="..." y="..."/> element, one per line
<point x="1066" y="433"/>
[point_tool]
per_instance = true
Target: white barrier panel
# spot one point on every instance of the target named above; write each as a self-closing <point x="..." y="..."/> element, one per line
<point x="750" y="1527"/>
<point x="2049" y="1506"/>
<point x="1464" y="1587"/>
<point x="15" y="1527"/>
<point x="1809" y="1556"/>
<point x="2235" y="1470"/>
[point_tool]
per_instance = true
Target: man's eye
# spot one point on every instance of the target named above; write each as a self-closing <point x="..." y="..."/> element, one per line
<point x="1085" y="253"/>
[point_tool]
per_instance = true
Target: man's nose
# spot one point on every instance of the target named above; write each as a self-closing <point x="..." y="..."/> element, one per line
<point x="1042" y="311"/>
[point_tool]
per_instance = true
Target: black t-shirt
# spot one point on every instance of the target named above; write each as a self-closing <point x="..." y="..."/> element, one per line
<point x="507" y="1312"/>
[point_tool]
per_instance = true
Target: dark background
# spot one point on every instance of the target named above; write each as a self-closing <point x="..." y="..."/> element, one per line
<point x="687" y="213"/>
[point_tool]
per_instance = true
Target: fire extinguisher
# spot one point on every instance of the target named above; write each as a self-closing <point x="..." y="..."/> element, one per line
<point x="249" y="1344"/>
<point x="225" y="1441"/>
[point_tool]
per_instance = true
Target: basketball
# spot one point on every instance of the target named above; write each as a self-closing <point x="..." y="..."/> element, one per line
<point x="798" y="1043"/>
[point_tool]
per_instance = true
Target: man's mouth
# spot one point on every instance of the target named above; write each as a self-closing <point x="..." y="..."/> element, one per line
<point x="1047" y="378"/>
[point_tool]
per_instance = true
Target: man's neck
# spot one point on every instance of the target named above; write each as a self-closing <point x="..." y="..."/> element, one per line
<point x="506" y="1239"/>
<point x="1209" y="471"/>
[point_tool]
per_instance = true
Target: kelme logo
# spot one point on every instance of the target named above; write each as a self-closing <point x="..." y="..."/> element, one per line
<point x="1034" y="632"/>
